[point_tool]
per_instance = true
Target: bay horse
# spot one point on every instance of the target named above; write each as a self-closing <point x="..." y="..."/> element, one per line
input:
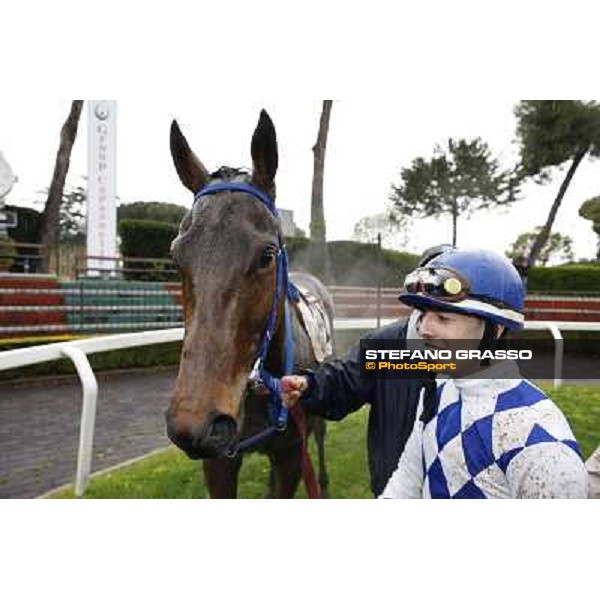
<point x="228" y="252"/>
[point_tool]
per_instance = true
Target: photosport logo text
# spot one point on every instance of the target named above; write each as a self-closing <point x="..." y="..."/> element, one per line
<point x="435" y="360"/>
<point x="384" y="358"/>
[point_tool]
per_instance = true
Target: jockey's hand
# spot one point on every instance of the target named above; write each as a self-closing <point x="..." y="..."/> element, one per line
<point x="292" y="387"/>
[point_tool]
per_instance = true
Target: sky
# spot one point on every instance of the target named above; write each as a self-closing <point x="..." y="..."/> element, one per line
<point x="369" y="142"/>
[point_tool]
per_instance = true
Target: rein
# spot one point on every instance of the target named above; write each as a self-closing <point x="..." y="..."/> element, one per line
<point x="278" y="413"/>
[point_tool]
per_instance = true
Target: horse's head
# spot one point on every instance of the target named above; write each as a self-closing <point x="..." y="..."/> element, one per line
<point x="226" y="253"/>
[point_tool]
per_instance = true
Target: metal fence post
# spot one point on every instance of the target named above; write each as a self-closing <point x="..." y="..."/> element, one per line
<point x="81" y="307"/>
<point x="378" y="280"/>
<point x="559" y="348"/>
<point x="88" y="416"/>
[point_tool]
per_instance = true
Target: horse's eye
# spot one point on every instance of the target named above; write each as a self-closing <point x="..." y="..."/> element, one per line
<point x="267" y="256"/>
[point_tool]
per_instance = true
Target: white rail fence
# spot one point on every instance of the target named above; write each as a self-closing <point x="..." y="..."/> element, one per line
<point x="78" y="351"/>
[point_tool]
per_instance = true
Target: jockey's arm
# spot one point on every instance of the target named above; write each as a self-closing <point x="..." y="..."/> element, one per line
<point x="332" y="391"/>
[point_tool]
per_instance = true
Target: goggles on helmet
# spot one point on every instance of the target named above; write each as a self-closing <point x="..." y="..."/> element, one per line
<point x="437" y="282"/>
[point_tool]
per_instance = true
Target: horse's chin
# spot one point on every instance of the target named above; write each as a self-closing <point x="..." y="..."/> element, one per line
<point x="204" y="453"/>
<point x="201" y="454"/>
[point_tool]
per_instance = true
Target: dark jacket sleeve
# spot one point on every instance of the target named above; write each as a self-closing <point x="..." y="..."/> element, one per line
<point x="336" y="388"/>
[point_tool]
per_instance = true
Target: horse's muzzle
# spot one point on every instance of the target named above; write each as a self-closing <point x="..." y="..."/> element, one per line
<point x="209" y="440"/>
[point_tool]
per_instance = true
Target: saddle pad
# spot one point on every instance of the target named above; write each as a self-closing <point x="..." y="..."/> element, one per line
<point x="316" y="323"/>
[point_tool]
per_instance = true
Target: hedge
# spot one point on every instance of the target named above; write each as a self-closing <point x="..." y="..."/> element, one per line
<point x="572" y="278"/>
<point x="163" y="212"/>
<point x="146" y="238"/>
<point x="354" y="263"/>
<point x="156" y="355"/>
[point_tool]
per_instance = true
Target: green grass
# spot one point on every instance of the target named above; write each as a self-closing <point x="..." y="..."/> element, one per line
<point x="170" y="474"/>
<point x="581" y="406"/>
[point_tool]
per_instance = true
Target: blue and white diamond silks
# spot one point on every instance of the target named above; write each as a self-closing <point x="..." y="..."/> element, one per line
<point x="491" y="438"/>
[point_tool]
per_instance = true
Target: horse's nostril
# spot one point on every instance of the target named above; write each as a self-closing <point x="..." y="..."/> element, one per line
<point x="222" y="429"/>
<point x="205" y="441"/>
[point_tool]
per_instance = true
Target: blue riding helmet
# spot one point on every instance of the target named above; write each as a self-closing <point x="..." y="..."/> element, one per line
<point x="434" y="251"/>
<point x="471" y="282"/>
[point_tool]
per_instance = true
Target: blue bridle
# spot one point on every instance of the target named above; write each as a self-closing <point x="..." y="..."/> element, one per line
<point x="278" y="412"/>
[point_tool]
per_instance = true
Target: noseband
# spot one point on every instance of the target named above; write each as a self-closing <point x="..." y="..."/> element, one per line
<point x="278" y="413"/>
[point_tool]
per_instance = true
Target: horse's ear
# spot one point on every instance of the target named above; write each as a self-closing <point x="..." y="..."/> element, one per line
<point x="189" y="168"/>
<point x="264" y="154"/>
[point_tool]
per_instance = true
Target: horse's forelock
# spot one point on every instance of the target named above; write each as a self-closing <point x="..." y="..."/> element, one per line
<point x="225" y="173"/>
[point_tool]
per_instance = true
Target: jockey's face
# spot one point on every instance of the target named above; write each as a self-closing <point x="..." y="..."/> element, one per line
<point x="436" y="325"/>
<point x="453" y="331"/>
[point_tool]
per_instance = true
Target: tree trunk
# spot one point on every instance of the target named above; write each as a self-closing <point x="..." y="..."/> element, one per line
<point x="544" y="234"/>
<point x="454" y="220"/>
<point x="320" y="262"/>
<point x="50" y="216"/>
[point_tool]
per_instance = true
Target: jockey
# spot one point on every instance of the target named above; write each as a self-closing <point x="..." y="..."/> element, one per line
<point x="337" y="389"/>
<point x="486" y="432"/>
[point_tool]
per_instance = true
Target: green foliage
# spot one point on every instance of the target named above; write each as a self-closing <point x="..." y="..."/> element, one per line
<point x="551" y="132"/>
<point x="27" y="342"/>
<point x="590" y="210"/>
<point x="353" y="263"/>
<point x="299" y="253"/>
<point x="581" y="406"/>
<point x="572" y="278"/>
<point x="146" y="238"/>
<point x="152" y="211"/>
<point x="319" y="262"/>
<point x="459" y="179"/>
<point x="557" y="246"/>
<point x="296" y="246"/>
<point x="28" y="224"/>
<point x="317" y="229"/>
<point x="356" y="264"/>
<point x="8" y="254"/>
<point x="72" y="213"/>
<point x="157" y="355"/>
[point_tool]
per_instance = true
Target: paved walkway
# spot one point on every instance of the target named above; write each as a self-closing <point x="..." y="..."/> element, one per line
<point x="39" y="427"/>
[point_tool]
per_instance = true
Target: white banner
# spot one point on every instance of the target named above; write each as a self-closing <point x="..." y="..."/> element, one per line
<point x="101" y="192"/>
